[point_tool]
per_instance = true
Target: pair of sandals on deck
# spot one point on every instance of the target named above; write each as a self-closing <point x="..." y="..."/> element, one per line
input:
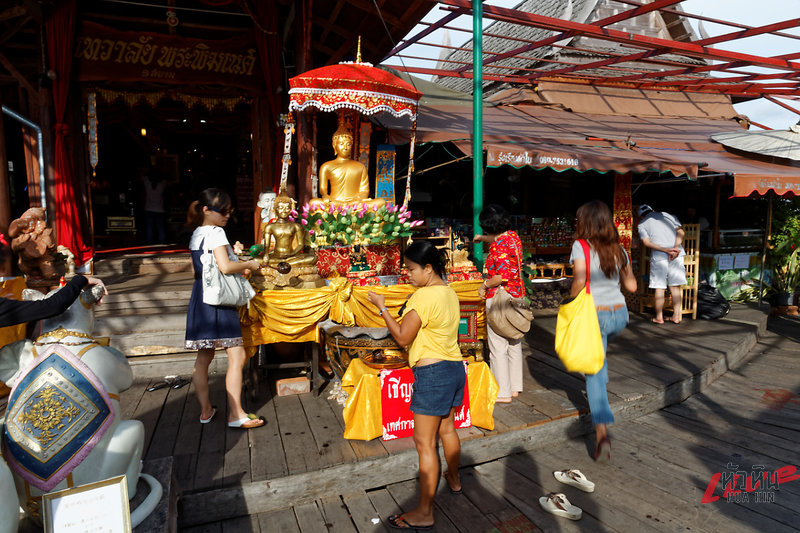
<point x="250" y="421"/>
<point x="557" y="503"/>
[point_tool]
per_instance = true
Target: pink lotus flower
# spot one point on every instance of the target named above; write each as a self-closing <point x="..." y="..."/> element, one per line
<point x="294" y="212"/>
<point x="304" y="222"/>
<point x="311" y="232"/>
<point x="330" y="209"/>
<point x="319" y="222"/>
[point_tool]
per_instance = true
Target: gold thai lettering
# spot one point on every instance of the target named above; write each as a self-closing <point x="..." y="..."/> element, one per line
<point x="143" y="51"/>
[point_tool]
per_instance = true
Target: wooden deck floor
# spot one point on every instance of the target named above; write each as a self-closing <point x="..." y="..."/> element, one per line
<point x="661" y="466"/>
<point x="650" y="366"/>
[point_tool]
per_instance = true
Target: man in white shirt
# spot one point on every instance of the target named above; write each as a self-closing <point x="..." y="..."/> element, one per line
<point x="662" y="233"/>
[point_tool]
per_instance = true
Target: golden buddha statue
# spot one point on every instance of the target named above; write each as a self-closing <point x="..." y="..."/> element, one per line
<point x="289" y="237"/>
<point x="347" y="178"/>
<point x="286" y="264"/>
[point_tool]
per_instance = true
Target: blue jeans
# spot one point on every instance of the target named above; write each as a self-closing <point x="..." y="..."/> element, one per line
<point x="611" y="324"/>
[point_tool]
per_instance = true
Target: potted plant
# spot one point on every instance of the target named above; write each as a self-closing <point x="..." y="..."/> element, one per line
<point x="786" y="279"/>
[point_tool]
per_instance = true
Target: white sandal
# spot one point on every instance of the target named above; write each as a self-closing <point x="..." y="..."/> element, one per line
<point x="558" y="504"/>
<point x="575" y="478"/>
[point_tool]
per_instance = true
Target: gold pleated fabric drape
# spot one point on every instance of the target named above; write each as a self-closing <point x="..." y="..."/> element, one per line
<point x="362" y="414"/>
<point x="292" y="315"/>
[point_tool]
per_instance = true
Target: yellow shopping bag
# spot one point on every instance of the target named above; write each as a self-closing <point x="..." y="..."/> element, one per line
<point x="579" y="344"/>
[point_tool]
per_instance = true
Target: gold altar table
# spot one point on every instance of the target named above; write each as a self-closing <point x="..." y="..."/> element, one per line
<point x="292" y="315"/>
<point x="362" y="413"/>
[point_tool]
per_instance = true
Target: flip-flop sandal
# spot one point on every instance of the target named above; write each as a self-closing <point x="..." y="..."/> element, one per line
<point x="558" y="504"/>
<point x="247" y="423"/>
<point x="575" y="478"/>
<point x="207" y="420"/>
<point x="602" y="453"/>
<point x="459" y="491"/>
<point x="398" y="522"/>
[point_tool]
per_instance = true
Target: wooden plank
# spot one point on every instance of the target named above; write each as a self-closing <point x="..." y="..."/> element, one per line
<point x="628" y="504"/>
<point x="384" y="504"/>
<point x="503" y="414"/>
<point x="267" y="458"/>
<point x="363" y="513"/>
<point x="523" y="494"/>
<point x="184" y="468"/>
<point x="481" y="493"/>
<point x="129" y="399"/>
<point x="507" y="520"/>
<point x="715" y="460"/>
<point x="302" y="453"/>
<point x="283" y="520"/>
<point x="241" y="524"/>
<point x="214" y="527"/>
<point x="743" y="437"/>
<point x="525" y="413"/>
<point x="148" y="412"/>
<point x="337" y="517"/>
<point x="211" y="454"/>
<point x="399" y="445"/>
<point x="309" y="518"/>
<point x="406" y="494"/>
<point x="236" y="468"/>
<point x="461" y="511"/>
<point x="166" y="431"/>
<point x="684" y="483"/>
<point x="327" y="432"/>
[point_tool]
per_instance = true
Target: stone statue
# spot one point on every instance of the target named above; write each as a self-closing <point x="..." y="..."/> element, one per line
<point x="63" y="416"/>
<point x="32" y="240"/>
<point x="285" y="262"/>
<point x="345" y="177"/>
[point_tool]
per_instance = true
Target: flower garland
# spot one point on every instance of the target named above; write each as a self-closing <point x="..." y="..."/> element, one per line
<point x="357" y="224"/>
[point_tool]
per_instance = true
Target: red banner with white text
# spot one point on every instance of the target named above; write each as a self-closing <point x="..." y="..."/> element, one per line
<point x="397" y="418"/>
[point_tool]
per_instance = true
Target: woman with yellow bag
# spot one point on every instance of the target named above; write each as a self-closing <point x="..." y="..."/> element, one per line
<point x="608" y="267"/>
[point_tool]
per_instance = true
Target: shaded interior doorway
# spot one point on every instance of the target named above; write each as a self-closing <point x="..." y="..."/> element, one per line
<point x="188" y="149"/>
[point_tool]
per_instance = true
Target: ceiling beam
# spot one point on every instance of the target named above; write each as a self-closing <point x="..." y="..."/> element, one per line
<point x="708" y="19"/>
<point x="427" y="31"/>
<point x="785" y="106"/>
<point x="22" y="80"/>
<point x="12" y="12"/>
<point x="15" y="28"/>
<point x="630" y="39"/>
<point x="625" y="15"/>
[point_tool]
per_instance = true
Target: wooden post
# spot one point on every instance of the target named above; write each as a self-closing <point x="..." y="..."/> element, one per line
<point x="5" y="202"/>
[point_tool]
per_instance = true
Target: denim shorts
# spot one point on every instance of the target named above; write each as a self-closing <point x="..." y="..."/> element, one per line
<point x="438" y="388"/>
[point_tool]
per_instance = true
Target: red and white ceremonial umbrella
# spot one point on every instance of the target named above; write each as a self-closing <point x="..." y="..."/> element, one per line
<point x="360" y="87"/>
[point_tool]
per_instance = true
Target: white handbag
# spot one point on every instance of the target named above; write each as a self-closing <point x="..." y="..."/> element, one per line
<point x="223" y="289"/>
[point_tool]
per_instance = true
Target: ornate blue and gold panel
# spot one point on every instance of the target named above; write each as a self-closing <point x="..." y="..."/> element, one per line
<point x="57" y="412"/>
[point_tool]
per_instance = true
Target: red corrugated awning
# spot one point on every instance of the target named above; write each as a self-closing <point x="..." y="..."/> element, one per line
<point x="562" y="157"/>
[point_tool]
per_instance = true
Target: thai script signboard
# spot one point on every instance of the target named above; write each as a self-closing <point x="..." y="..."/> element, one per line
<point x="106" y="54"/>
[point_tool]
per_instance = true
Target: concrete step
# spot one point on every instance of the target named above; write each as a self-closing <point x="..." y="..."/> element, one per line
<point x="158" y="322"/>
<point x="143" y="264"/>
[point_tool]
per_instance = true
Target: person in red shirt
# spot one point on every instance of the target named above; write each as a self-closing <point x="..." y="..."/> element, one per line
<point x="503" y="268"/>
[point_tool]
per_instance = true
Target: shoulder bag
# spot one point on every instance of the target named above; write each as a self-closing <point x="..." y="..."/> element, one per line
<point x="223" y="289"/>
<point x="510" y="317"/>
<point x="579" y="344"/>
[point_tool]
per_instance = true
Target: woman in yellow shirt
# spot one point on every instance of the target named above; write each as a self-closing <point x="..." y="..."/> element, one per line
<point x="430" y="327"/>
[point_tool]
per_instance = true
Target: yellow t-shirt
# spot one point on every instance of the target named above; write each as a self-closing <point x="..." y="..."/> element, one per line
<point x="439" y="312"/>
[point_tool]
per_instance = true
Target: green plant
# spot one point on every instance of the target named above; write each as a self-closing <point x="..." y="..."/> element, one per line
<point x="358" y="224"/>
<point x="786" y="276"/>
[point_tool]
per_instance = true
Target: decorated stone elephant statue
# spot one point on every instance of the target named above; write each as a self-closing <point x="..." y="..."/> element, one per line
<point x="62" y="426"/>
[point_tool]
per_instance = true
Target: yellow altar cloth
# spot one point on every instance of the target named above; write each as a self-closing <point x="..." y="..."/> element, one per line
<point x="11" y="289"/>
<point x="362" y="414"/>
<point x="292" y="315"/>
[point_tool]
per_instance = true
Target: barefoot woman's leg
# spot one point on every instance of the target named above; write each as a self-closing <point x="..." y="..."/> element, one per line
<point x="452" y="449"/>
<point x="200" y="380"/>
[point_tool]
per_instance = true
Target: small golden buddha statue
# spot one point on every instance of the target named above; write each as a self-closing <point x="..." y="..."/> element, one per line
<point x="289" y="237"/>
<point x="347" y="178"/>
